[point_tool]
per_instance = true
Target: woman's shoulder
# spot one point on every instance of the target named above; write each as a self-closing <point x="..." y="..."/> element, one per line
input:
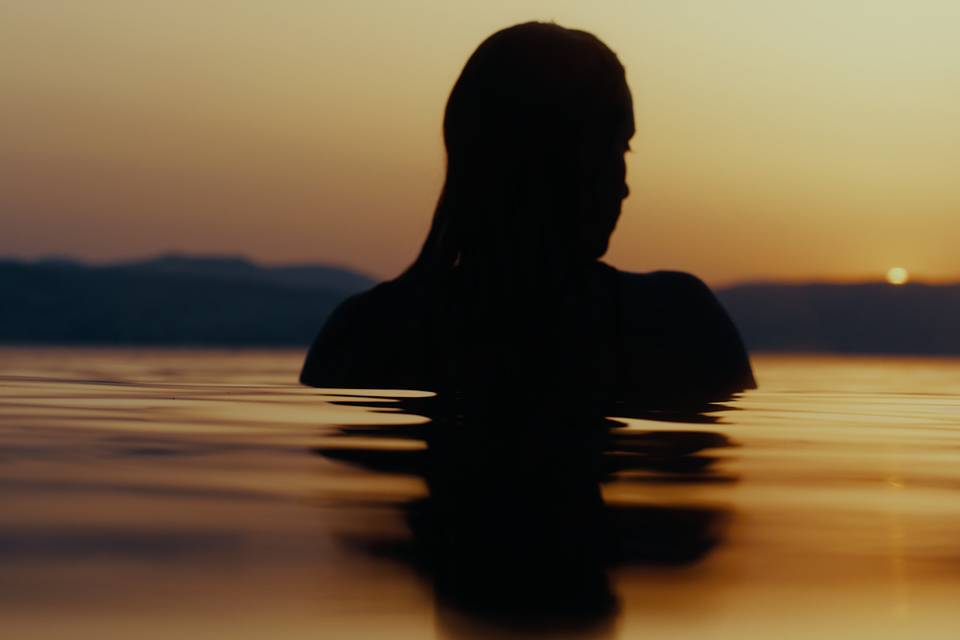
<point x="670" y="283"/>
<point x="367" y="305"/>
<point x="669" y="296"/>
<point x="356" y="335"/>
<point x="674" y="322"/>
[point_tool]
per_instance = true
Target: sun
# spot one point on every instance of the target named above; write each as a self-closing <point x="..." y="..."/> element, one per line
<point x="897" y="275"/>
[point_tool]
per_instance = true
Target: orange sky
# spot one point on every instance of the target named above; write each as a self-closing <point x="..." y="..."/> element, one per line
<point x="776" y="139"/>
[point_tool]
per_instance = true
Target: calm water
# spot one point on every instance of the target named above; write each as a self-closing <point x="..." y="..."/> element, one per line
<point x="200" y="494"/>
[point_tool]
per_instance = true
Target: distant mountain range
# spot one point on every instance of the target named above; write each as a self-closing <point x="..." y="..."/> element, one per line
<point x="177" y="299"/>
<point x="171" y="299"/>
<point x="921" y="319"/>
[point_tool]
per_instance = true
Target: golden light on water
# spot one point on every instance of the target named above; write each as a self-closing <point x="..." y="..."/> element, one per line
<point x="897" y="275"/>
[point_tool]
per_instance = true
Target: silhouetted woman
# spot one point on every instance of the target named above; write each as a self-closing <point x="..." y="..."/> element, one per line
<point x="508" y="292"/>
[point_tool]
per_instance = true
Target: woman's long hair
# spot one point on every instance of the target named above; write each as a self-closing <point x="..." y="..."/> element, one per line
<point x="534" y="129"/>
<point x="528" y="123"/>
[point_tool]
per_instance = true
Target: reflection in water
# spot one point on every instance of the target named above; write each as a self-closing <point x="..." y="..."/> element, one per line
<point x="174" y="494"/>
<point x="514" y="530"/>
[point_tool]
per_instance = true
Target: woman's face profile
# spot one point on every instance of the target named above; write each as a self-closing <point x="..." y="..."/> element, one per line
<point x="608" y="189"/>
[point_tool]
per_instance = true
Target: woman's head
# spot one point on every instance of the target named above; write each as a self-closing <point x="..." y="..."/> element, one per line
<point x="535" y="130"/>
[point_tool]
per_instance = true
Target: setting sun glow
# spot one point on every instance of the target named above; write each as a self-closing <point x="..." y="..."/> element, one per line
<point x="305" y="131"/>
<point x="897" y="275"/>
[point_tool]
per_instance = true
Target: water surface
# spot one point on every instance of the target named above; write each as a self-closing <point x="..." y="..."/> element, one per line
<point x="198" y="493"/>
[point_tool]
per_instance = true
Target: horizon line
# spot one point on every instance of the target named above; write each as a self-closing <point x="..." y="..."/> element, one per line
<point x="914" y="280"/>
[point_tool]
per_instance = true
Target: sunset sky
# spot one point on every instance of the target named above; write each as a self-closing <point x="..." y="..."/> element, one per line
<point x="775" y="139"/>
